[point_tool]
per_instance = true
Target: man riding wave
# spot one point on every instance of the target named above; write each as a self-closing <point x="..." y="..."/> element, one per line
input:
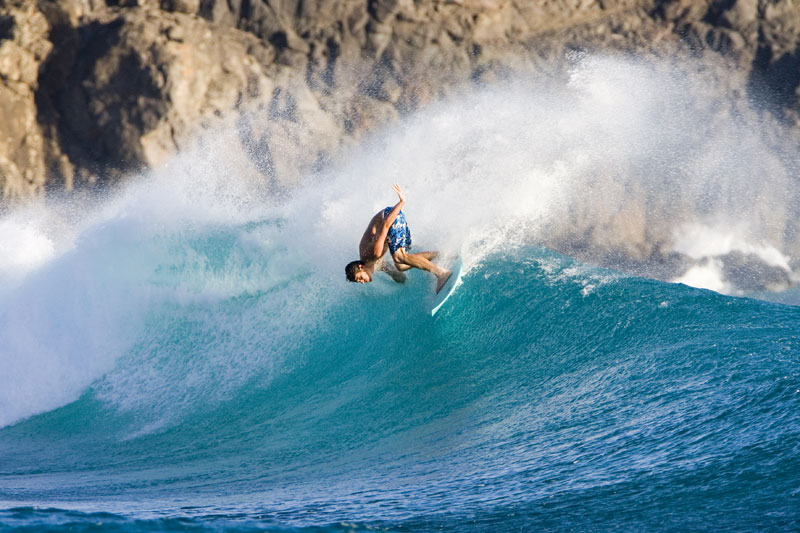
<point x="388" y="230"/>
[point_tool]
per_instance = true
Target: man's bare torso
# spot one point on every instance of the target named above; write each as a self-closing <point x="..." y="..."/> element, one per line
<point x="366" y="249"/>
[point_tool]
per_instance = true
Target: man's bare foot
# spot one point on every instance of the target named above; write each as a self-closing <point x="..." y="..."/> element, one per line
<point x="442" y="279"/>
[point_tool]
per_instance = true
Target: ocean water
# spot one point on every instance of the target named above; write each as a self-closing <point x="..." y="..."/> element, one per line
<point x="186" y="355"/>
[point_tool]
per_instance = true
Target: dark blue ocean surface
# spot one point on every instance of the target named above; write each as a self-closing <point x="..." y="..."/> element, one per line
<point x="545" y="395"/>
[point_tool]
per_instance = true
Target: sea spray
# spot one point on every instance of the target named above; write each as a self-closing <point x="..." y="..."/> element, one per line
<point x="614" y="166"/>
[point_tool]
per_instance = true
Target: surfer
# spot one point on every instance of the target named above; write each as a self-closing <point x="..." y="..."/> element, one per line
<point x="388" y="230"/>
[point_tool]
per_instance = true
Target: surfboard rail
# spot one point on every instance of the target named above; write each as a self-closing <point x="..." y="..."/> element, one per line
<point x="449" y="288"/>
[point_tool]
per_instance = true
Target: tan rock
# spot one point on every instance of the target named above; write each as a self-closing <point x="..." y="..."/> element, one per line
<point x="22" y="50"/>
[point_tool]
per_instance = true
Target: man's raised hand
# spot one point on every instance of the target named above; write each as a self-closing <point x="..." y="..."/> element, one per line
<point x="396" y="188"/>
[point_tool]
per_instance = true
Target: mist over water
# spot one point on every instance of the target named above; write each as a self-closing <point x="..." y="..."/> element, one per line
<point x="193" y="334"/>
<point x="627" y="163"/>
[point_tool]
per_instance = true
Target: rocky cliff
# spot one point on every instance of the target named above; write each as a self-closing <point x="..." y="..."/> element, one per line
<point x="90" y="91"/>
<point x="93" y="91"/>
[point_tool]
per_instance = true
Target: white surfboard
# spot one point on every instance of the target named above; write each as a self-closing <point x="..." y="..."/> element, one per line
<point x="449" y="287"/>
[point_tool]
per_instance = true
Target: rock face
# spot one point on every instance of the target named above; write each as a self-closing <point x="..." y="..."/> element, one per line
<point x="129" y="87"/>
<point x="93" y="90"/>
<point x="130" y="102"/>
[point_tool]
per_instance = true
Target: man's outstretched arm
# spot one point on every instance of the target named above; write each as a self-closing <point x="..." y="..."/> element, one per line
<point x="389" y="220"/>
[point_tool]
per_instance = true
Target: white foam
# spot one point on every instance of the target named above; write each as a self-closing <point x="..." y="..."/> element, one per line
<point x="30" y="236"/>
<point x="23" y="248"/>
<point x="708" y="244"/>
<point x="707" y="275"/>
<point x="699" y="241"/>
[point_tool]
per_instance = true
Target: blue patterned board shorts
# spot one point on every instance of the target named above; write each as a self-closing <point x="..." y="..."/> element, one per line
<point x="399" y="235"/>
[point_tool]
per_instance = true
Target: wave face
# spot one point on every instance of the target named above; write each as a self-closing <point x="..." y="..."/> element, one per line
<point x="188" y="355"/>
<point x="544" y="394"/>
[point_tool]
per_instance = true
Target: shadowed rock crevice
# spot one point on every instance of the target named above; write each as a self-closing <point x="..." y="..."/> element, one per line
<point x="776" y="82"/>
<point x="103" y="112"/>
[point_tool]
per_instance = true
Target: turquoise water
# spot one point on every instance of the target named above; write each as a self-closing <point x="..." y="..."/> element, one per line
<point x="545" y="395"/>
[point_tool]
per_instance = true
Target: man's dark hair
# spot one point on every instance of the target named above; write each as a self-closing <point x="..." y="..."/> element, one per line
<point x="351" y="269"/>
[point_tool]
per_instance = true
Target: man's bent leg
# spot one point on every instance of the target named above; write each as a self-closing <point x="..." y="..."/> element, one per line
<point x="393" y="271"/>
<point x="407" y="260"/>
<point x="402" y="267"/>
